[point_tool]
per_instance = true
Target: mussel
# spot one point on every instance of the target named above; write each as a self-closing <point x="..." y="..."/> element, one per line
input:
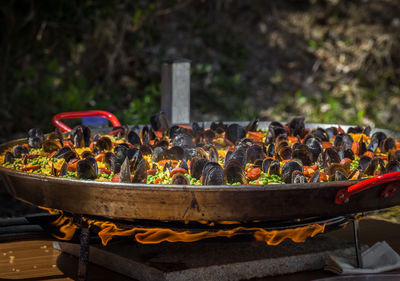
<point x="289" y="168"/>
<point x="35" y="138"/>
<point x="234" y="172"/>
<point x="213" y="174"/>
<point x="87" y="168"/>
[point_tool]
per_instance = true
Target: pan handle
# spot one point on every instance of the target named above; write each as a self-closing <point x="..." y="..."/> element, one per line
<point x="79" y="114"/>
<point x="343" y="195"/>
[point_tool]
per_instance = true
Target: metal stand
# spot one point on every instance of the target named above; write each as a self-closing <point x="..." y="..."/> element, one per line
<point x="357" y="244"/>
<point x="84" y="250"/>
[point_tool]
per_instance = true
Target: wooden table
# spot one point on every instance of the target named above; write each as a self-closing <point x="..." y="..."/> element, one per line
<point x="38" y="260"/>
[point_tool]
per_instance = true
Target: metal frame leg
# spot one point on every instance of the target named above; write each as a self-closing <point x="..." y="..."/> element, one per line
<point x="84" y="251"/>
<point x="357" y="244"/>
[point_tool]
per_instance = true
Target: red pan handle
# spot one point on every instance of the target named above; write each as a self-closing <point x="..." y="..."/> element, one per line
<point x="79" y="114"/>
<point x="343" y="195"/>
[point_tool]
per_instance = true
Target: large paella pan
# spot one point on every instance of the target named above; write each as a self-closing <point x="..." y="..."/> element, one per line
<point x="230" y="189"/>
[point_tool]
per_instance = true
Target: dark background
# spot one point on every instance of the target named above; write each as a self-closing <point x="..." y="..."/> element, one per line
<point x="332" y="61"/>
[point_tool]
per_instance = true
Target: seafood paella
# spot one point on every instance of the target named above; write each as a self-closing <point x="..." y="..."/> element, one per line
<point x="220" y="155"/>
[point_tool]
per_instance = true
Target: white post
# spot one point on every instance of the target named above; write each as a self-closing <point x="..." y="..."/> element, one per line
<point x="175" y="83"/>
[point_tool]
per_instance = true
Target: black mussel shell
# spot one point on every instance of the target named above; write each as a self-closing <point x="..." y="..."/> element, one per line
<point x="180" y="178"/>
<point x="274" y="168"/>
<point x="104" y="143"/>
<point x="285" y="153"/>
<point x="86" y="154"/>
<point x="63" y="169"/>
<point x="197" y="130"/>
<point x="157" y="154"/>
<point x="234" y="133"/>
<point x="125" y="172"/>
<point x="133" y="138"/>
<point x="334" y="168"/>
<point x="146" y="149"/>
<point x="140" y="172"/>
<point x="228" y="156"/>
<point x="50" y="146"/>
<point x="316" y="176"/>
<point x="367" y="131"/>
<point x="35" y="138"/>
<point x="363" y="162"/>
<point x="392" y="166"/>
<point x="18" y="150"/>
<point x="258" y="163"/>
<point x="9" y="157"/>
<point x="331" y="131"/>
<point x="244" y="143"/>
<point x="373" y="145"/>
<point x="315" y="147"/>
<point x="234" y="172"/>
<point x="121" y="152"/>
<point x="145" y="134"/>
<point x="254" y="153"/>
<point x="340" y="176"/>
<point x="213" y="154"/>
<point x="196" y="167"/>
<point x="184" y="165"/>
<point x="304" y="154"/>
<point x="219" y="127"/>
<point x="388" y="144"/>
<point x="265" y="164"/>
<point x="213" y="174"/>
<point x="200" y="152"/>
<point x="110" y="161"/>
<point x="183" y="140"/>
<point x="65" y="152"/>
<point x="86" y="169"/>
<point x="320" y="134"/>
<point x="207" y="135"/>
<point x="77" y="137"/>
<point x="240" y="155"/>
<point x="348" y="153"/>
<point x="253" y="125"/>
<point x="381" y="136"/>
<point x="271" y="150"/>
<point x="175" y="153"/>
<point x="298" y="177"/>
<point x="288" y="169"/>
<point x="332" y="155"/>
<point x="81" y="136"/>
<point x="177" y="130"/>
<point x="297" y="126"/>
<point x="160" y="122"/>
<point x="53" y="170"/>
<point x="362" y="146"/>
<point x="373" y="165"/>
<point x="394" y="155"/>
<point x="343" y="140"/>
<point x="355" y="130"/>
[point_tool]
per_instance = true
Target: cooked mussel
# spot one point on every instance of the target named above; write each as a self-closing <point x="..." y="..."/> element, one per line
<point x="19" y="150"/>
<point x="234" y="133"/>
<point x="234" y="172"/>
<point x="65" y="152"/>
<point x="87" y="168"/>
<point x="35" y="138"/>
<point x="213" y="174"/>
<point x="254" y="153"/>
<point x="196" y="167"/>
<point x="289" y="168"/>
<point x="51" y="145"/>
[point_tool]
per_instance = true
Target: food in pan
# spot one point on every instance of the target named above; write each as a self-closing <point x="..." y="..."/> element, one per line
<point x="220" y="155"/>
